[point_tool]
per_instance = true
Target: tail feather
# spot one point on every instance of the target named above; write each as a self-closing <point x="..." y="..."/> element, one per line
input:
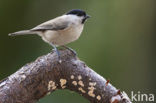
<point x="23" y="32"/>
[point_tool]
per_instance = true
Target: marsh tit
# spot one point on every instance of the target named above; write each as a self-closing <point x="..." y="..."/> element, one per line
<point x="60" y="30"/>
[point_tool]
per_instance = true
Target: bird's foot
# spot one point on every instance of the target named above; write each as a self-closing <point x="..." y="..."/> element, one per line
<point x="57" y="52"/>
<point x="58" y="55"/>
<point x="70" y="49"/>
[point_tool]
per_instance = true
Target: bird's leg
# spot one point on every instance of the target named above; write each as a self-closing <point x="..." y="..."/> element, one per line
<point x="57" y="52"/>
<point x="73" y="51"/>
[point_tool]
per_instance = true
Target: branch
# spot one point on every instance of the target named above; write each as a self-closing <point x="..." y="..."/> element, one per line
<point x="45" y="75"/>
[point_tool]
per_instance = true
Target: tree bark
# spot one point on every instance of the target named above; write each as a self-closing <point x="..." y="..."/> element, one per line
<point x="45" y="75"/>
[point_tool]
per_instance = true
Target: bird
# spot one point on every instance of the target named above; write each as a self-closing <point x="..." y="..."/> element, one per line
<point x="59" y="31"/>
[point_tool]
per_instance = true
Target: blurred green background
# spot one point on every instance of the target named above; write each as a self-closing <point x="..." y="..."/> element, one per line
<point x="118" y="42"/>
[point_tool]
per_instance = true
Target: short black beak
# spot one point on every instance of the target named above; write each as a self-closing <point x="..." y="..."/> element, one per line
<point x="87" y="16"/>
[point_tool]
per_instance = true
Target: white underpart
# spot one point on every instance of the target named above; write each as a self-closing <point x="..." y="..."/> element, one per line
<point x="70" y="34"/>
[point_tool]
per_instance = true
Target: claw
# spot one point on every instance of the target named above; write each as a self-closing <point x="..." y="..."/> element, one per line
<point x="73" y="51"/>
